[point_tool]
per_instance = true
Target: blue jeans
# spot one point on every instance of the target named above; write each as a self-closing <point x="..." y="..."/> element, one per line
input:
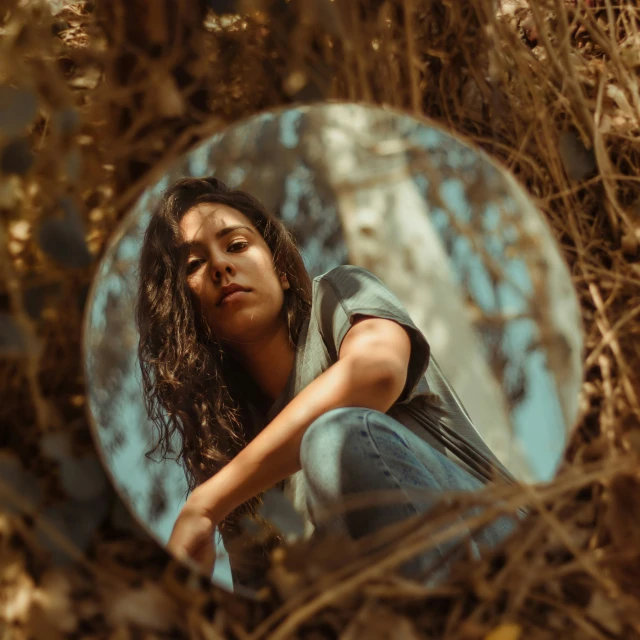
<point x="355" y="450"/>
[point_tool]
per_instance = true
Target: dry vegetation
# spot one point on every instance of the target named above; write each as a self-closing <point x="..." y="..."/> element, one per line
<point x="93" y="105"/>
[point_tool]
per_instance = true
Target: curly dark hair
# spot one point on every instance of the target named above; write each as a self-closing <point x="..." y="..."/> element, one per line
<point x="205" y="408"/>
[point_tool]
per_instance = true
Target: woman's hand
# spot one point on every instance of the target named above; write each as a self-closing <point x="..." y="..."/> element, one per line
<point x="193" y="537"/>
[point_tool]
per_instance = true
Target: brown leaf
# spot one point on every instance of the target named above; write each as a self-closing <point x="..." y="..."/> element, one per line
<point x="376" y="622"/>
<point x="18" y="590"/>
<point x="630" y="51"/>
<point x="578" y="161"/>
<point x="167" y="98"/>
<point x="604" y="611"/>
<point x="148" y="607"/>
<point x="89" y="78"/>
<point x="505" y="631"/>
<point x="18" y="108"/>
<point x="52" y="608"/>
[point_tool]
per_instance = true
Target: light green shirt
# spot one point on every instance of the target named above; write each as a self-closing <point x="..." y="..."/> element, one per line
<point x="338" y="296"/>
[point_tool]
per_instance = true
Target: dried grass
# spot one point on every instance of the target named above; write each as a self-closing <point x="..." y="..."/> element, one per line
<point x="548" y="88"/>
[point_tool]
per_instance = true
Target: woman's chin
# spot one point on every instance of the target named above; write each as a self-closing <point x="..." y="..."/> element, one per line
<point x="243" y="333"/>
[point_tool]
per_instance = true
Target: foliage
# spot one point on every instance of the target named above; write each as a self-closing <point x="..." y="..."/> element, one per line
<point x="97" y="100"/>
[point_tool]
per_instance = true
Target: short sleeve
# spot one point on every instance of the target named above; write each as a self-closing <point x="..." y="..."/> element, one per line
<point x="348" y="291"/>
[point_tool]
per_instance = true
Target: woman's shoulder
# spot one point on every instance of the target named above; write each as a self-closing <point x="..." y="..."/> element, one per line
<point x="351" y="282"/>
<point x="344" y="270"/>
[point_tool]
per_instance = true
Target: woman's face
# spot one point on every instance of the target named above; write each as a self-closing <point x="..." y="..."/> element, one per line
<point x="225" y="248"/>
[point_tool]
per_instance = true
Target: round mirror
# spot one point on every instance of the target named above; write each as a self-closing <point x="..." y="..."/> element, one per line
<point x="416" y="212"/>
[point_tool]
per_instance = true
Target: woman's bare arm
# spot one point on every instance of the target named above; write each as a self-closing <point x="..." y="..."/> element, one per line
<point x="371" y="372"/>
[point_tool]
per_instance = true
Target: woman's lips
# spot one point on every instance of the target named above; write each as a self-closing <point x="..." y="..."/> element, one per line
<point x="232" y="297"/>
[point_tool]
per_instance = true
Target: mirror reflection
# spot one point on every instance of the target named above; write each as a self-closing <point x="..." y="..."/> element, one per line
<point x="327" y="301"/>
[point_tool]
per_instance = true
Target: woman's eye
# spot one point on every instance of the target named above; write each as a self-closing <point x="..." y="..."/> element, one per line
<point x="192" y="266"/>
<point x="237" y="245"/>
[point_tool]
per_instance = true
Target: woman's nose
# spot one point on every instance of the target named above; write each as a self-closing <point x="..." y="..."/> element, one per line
<point x="220" y="266"/>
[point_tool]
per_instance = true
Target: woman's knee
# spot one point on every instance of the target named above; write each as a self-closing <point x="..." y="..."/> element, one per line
<point x="327" y="437"/>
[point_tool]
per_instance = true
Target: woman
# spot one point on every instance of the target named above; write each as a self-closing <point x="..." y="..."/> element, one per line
<point x="266" y="378"/>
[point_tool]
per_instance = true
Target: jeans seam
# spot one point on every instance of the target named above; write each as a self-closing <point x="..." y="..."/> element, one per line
<point x="411" y="506"/>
